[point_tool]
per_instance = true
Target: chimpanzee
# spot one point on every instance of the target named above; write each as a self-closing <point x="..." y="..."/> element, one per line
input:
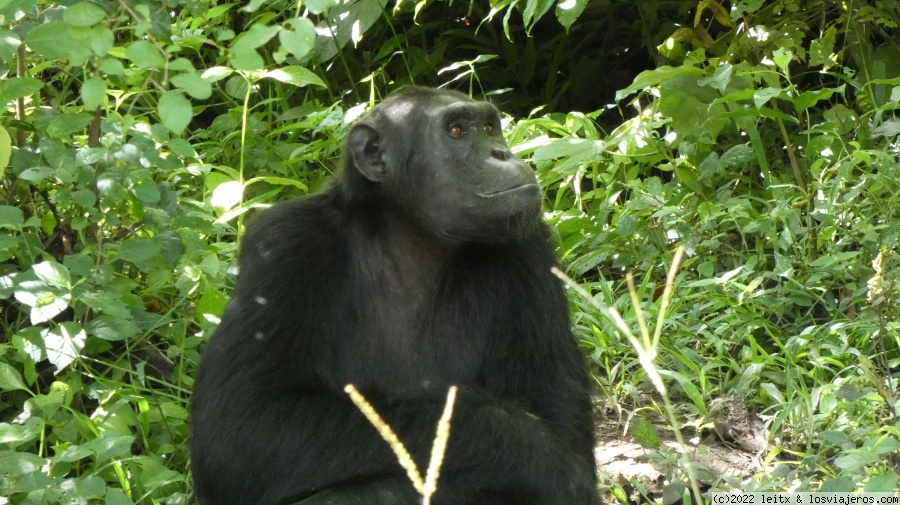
<point x="425" y="264"/>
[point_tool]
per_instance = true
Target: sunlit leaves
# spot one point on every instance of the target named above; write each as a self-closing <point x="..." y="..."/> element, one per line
<point x="568" y="11"/>
<point x="297" y="76"/>
<point x="297" y="37"/>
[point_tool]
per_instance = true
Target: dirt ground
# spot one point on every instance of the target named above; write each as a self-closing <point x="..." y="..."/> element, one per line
<point x="734" y="449"/>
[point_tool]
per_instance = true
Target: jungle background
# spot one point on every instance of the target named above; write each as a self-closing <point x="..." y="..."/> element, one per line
<point x="759" y="136"/>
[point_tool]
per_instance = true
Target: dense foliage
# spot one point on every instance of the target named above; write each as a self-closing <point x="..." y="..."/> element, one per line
<point x="761" y="135"/>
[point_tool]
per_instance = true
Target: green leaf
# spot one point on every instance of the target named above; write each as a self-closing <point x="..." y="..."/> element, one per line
<point x="319" y="6"/>
<point x="300" y="39"/>
<point x="16" y="434"/>
<point x="830" y="259"/>
<point x="93" y="92"/>
<point x="84" y="197"/>
<point x="17" y="464"/>
<point x="64" y="125"/>
<point x="101" y="40"/>
<point x="278" y="181"/>
<point x="83" y="14"/>
<point x="175" y="111"/>
<point x="117" y="497"/>
<point x="193" y="85"/>
<point x="809" y="98"/>
<point x="762" y="96"/>
<point x="18" y="87"/>
<point x="655" y="77"/>
<point x="212" y="302"/>
<point x="856" y="460"/>
<point x="35" y="174"/>
<point x="644" y="433"/>
<point x="5" y="148"/>
<point x="257" y="35"/>
<point x="688" y="387"/>
<point x="246" y="59"/>
<point x="64" y="343"/>
<point x="882" y="484"/>
<point x="214" y="74"/>
<point x="10" y="380"/>
<point x="11" y="217"/>
<point x="138" y="250"/>
<point x="52" y="41"/>
<point x="107" y="303"/>
<point x="889" y="128"/>
<point x="9" y="44"/>
<point x="144" y="55"/>
<point x="53" y="274"/>
<point x="298" y="76"/>
<point x="112" y="328"/>
<point x="568" y="11"/>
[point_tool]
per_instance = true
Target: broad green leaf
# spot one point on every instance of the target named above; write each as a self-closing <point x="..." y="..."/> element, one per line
<point x="535" y="10"/>
<point x="52" y="40"/>
<point x="84" y="197"/>
<point x="144" y="55"/>
<point x="856" y="460"/>
<point x="193" y="85"/>
<point x="112" y="328"/>
<point x="319" y="6"/>
<point x="212" y="302"/>
<point x="809" y="98"/>
<point x="10" y="380"/>
<point x="101" y="40"/>
<point x="116" y="496"/>
<point x="830" y="259"/>
<point x="762" y="96"/>
<point x="64" y="343"/>
<point x="15" y="464"/>
<point x="882" y="484"/>
<point x="16" y="434"/>
<point x="300" y="39"/>
<point x="214" y="74"/>
<point x="93" y="92"/>
<point x="257" y="35"/>
<point x="5" y="148"/>
<point x="889" y="128"/>
<point x="655" y="77"/>
<point x="175" y="111"/>
<point x="107" y="303"/>
<point x="280" y="181"/>
<point x="112" y="66"/>
<point x="18" y="87"/>
<point x="137" y="250"/>
<point x="11" y="217"/>
<point x="298" y="76"/>
<point x="67" y="123"/>
<point x="568" y="11"/>
<point x="83" y="14"/>
<point x="35" y="174"/>
<point x="53" y="274"/>
<point x="44" y="304"/>
<point x="9" y="43"/>
<point x="246" y="58"/>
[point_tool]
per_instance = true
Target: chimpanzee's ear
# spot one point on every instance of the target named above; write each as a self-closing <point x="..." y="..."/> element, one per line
<point x="364" y="149"/>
